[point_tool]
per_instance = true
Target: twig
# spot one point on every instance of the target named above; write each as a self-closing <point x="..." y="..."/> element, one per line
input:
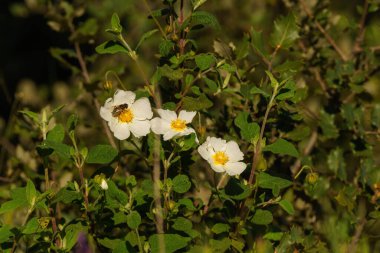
<point x="154" y="18"/>
<point x="355" y="239"/>
<point x="309" y="147"/>
<point x="320" y="81"/>
<point x="323" y="31"/>
<point x="360" y="37"/>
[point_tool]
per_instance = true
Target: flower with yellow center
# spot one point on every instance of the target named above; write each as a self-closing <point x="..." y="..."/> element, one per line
<point x="126" y="116"/>
<point x="223" y="156"/>
<point x="170" y="125"/>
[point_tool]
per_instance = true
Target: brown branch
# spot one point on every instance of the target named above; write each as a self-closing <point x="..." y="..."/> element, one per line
<point x="329" y="39"/>
<point x="355" y="239"/>
<point x="360" y="37"/>
<point x="320" y="81"/>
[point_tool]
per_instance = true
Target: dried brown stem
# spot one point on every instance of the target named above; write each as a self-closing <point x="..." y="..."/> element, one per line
<point x="329" y="39"/>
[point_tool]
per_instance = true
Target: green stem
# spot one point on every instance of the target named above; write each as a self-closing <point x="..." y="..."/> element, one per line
<point x="139" y="241"/>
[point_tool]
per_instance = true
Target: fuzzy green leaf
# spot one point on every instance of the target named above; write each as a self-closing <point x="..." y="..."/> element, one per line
<point x="133" y="220"/>
<point x="282" y="147"/>
<point x="262" y="217"/>
<point x="181" y="183"/>
<point x="101" y="154"/>
<point x="110" y="47"/>
<point x="287" y="206"/>
<point x="249" y="131"/>
<point x="196" y="104"/>
<point x="172" y="242"/>
<point x="285" y="32"/>
<point x="219" y="228"/>
<point x="205" y="61"/>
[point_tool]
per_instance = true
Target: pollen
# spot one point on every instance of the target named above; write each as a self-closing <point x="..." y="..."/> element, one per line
<point x="178" y="125"/>
<point x="126" y="116"/>
<point x="220" y="158"/>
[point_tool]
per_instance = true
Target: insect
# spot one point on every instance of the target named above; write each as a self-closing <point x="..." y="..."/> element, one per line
<point x="117" y="110"/>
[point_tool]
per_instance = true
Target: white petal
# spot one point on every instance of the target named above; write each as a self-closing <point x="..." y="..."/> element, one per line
<point x="105" y="113"/>
<point x="109" y="103"/>
<point x="124" y="97"/>
<point x="167" y="114"/>
<point x="104" y="184"/>
<point x="140" y="127"/>
<point x="141" y="109"/>
<point x="121" y="130"/>
<point x="188" y="131"/>
<point x="235" y="168"/>
<point x="233" y="152"/>
<point x="202" y="150"/>
<point x="170" y="134"/>
<point x="217" y="168"/>
<point x="186" y="116"/>
<point x="218" y="144"/>
<point x="159" y="126"/>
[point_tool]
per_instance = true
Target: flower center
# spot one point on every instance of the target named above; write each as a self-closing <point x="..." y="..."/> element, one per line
<point x="178" y="125"/>
<point x="125" y="116"/>
<point x="220" y="158"/>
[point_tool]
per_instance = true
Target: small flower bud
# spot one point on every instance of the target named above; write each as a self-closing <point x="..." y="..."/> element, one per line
<point x="101" y="181"/>
<point x="262" y="164"/>
<point x="312" y="177"/>
<point x="107" y="85"/>
<point x="171" y="205"/>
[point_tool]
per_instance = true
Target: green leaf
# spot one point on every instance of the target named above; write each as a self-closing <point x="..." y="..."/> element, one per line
<point x="66" y="196"/>
<point x="287" y="206"/>
<point x="219" y="228"/>
<point x="197" y="3"/>
<point x="185" y="225"/>
<point x="267" y="181"/>
<point x="326" y="122"/>
<point x="257" y="42"/>
<point x="71" y="234"/>
<point x="57" y="134"/>
<point x="282" y="147"/>
<point x="262" y="217"/>
<point x="221" y="245"/>
<point x="172" y="74"/>
<point x="336" y="163"/>
<point x="204" y="18"/>
<point x="110" y="47"/>
<point x="196" y="104"/>
<point x="145" y="36"/>
<point x="273" y="236"/>
<point x="248" y="131"/>
<point x="165" y="47"/>
<point x="61" y="149"/>
<point x="133" y="220"/>
<point x="181" y="183"/>
<point x="172" y="242"/>
<point x="18" y="196"/>
<point x="285" y="32"/>
<point x="5" y="233"/>
<point x="256" y="90"/>
<point x="116" y="27"/>
<point x="72" y="122"/>
<point x="204" y="61"/>
<point x="235" y="189"/>
<point x="101" y="154"/>
<point x="88" y="28"/>
<point x="32" y="227"/>
<point x="31" y="193"/>
<point x="32" y="115"/>
<point x="273" y="80"/>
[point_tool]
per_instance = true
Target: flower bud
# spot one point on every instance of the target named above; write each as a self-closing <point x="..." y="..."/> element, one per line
<point x="107" y="85"/>
<point x="101" y="181"/>
<point x="262" y="164"/>
<point x="312" y="177"/>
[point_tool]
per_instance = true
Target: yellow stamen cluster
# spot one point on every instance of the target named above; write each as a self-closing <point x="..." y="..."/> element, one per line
<point x="220" y="158"/>
<point x="178" y="125"/>
<point x="126" y="116"/>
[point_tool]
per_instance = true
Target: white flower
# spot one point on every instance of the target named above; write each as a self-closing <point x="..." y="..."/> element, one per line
<point x="223" y="156"/>
<point x="171" y="125"/>
<point x="104" y="184"/>
<point x="125" y="115"/>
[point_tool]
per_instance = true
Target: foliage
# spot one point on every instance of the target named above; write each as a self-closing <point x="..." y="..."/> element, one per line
<point x="301" y="102"/>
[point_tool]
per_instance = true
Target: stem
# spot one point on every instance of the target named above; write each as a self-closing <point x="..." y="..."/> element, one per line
<point x="323" y="31"/>
<point x="155" y="20"/>
<point x="220" y="183"/>
<point x="256" y="156"/>
<point x="360" y="38"/>
<point x="141" y="250"/>
<point x="117" y="78"/>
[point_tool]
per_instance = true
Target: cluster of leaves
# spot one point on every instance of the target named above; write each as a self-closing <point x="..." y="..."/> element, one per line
<point x="301" y="108"/>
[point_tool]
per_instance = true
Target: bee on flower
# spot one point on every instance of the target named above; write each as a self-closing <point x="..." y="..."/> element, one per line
<point x="170" y="125"/>
<point x="126" y="116"/>
<point x="223" y="156"/>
